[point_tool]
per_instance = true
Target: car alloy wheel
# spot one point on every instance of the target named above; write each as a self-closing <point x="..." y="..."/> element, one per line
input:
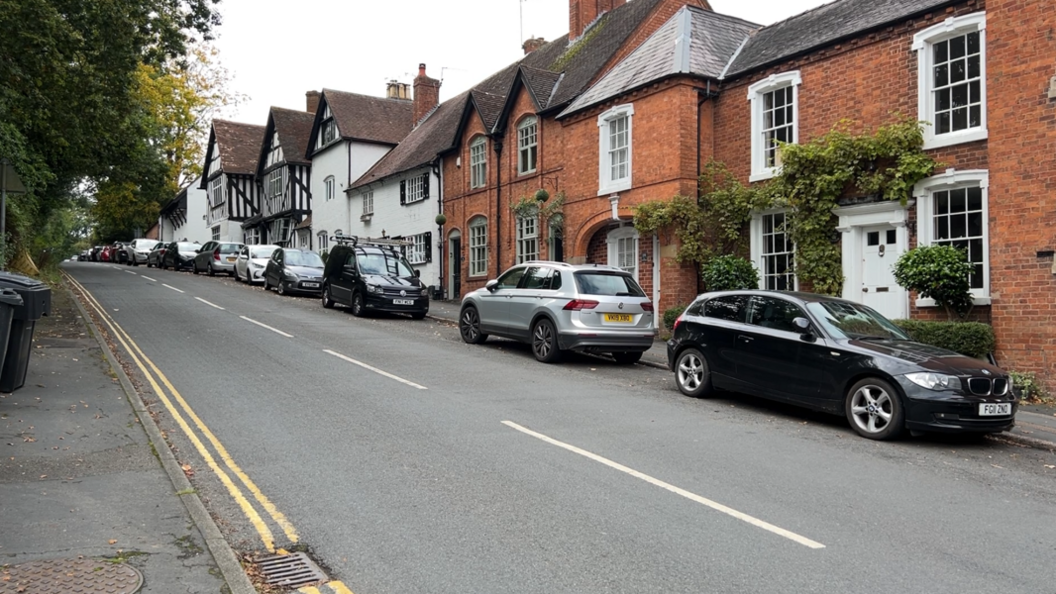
<point x="328" y="303"/>
<point x="544" y="342"/>
<point x="469" y="326"/>
<point x="692" y="373"/>
<point x="357" y="304"/>
<point x="282" y="287"/>
<point x="874" y="409"/>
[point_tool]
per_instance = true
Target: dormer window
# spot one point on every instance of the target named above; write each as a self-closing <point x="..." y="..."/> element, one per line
<point x="327" y="129"/>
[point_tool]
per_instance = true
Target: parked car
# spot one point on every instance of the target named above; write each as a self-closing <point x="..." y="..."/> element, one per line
<point x="251" y="262"/>
<point x="294" y="271"/>
<point x="139" y="249"/>
<point x="117" y="252"/>
<point x="84" y="256"/>
<point x="157" y="255"/>
<point x="96" y="253"/>
<point x="180" y="254"/>
<point x="371" y="275"/>
<point x="217" y="256"/>
<point x="557" y="307"/>
<point x="104" y="254"/>
<point x="836" y="356"/>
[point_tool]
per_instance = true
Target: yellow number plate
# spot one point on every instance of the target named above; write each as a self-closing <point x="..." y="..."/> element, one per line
<point x="624" y="318"/>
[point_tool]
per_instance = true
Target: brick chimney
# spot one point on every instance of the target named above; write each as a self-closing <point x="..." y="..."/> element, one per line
<point x="584" y="12"/>
<point x="426" y="94"/>
<point x="533" y="44"/>
<point x="312" y="101"/>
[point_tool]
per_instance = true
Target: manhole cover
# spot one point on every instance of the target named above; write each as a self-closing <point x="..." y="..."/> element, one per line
<point x="293" y="570"/>
<point x="62" y="576"/>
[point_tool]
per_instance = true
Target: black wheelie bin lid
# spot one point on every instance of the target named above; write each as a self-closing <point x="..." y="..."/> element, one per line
<point x="36" y="296"/>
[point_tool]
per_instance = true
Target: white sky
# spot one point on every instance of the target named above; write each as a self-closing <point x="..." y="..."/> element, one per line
<point x="276" y="50"/>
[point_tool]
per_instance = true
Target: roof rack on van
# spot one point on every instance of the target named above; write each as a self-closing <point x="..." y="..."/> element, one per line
<point x="378" y="241"/>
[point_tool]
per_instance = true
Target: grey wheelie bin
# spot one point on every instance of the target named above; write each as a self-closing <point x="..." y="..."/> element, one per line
<point x="36" y="303"/>
<point x="9" y="301"/>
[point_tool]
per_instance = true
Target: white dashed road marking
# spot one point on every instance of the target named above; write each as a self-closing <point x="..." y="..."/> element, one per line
<point x="275" y="330"/>
<point x="209" y="304"/>
<point x="171" y="287"/>
<point x="376" y="370"/>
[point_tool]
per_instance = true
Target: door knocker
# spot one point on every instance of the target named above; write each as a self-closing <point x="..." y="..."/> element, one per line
<point x="881" y="250"/>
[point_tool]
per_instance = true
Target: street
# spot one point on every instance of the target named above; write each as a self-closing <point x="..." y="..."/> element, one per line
<point x="405" y="461"/>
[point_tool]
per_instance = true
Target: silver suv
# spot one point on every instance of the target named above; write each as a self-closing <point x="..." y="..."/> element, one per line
<point x="559" y="307"/>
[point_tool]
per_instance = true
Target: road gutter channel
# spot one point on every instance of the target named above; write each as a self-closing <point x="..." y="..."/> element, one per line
<point x="223" y="554"/>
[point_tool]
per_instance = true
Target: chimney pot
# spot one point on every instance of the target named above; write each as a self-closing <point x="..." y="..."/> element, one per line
<point x="532" y="43"/>
<point x="421" y="69"/>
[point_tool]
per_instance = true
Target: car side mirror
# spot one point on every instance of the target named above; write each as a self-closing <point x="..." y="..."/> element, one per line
<point x="803" y="325"/>
<point x="491" y="285"/>
<point x="417" y="273"/>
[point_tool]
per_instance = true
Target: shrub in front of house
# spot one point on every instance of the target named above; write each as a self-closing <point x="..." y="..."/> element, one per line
<point x="939" y="272"/>
<point x="729" y="273"/>
<point x="972" y="339"/>
<point x="671" y="314"/>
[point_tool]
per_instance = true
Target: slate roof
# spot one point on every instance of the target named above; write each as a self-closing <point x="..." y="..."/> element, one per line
<point x="239" y="146"/>
<point x="293" y="127"/>
<point x="693" y="41"/>
<point x="374" y="119"/>
<point x="823" y="26"/>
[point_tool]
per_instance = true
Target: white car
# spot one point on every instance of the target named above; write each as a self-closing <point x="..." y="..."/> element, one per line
<point x="139" y="249"/>
<point x="251" y="262"/>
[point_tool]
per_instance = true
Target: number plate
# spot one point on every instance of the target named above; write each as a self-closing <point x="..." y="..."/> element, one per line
<point x="995" y="410"/>
<point x="310" y="285"/>
<point x="621" y="318"/>
<point x="230" y="258"/>
<point x="403" y="301"/>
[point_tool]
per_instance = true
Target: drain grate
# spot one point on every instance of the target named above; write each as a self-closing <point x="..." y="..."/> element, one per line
<point x="293" y="570"/>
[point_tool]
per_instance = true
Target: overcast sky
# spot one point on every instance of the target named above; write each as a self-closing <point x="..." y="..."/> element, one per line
<point x="276" y="50"/>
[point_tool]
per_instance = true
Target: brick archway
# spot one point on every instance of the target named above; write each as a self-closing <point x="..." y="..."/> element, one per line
<point x="587" y="231"/>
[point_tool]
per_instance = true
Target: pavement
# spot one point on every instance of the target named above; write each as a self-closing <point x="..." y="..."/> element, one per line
<point x="1035" y="425"/>
<point x="83" y="491"/>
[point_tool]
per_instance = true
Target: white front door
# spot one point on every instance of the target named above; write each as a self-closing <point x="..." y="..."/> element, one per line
<point x="880" y="251"/>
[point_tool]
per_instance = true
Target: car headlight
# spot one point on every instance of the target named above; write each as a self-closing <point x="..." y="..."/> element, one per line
<point x="290" y="275"/>
<point x="375" y="289"/>
<point x="425" y="292"/>
<point x="933" y="381"/>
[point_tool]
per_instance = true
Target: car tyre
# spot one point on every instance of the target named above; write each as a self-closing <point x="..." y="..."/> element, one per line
<point x="357" y="304"/>
<point x="281" y="287"/>
<point x="418" y="315"/>
<point x="194" y="267"/>
<point x="627" y="358"/>
<point x="693" y="374"/>
<point x="874" y="409"/>
<point x="212" y="272"/>
<point x="328" y="303"/>
<point x="267" y="283"/>
<point x="544" y="342"/>
<point x="469" y="326"/>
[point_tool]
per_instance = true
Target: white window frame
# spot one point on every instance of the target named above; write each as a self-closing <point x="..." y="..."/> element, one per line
<point x="527" y="239"/>
<point x="251" y="236"/>
<point x="415" y="252"/>
<point x="327" y="129"/>
<point x="756" y="92"/>
<point x="216" y="190"/>
<point x="478" y="163"/>
<point x="922" y="44"/>
<point x="280" y="228"/>
<point x="330" y="186"/>
<point x="215" y="232"/>
<point x="618" y="240"/>
<point x="953" y="180"/>
<point x="324" y="240"/>
<point x="478" y="246"/>
<point x="758" y="247"/>
<point x="368" y="203"/>
<point x="414" y="189"/>
<point x="606" y="183"/>
<point x="528" y="145"/>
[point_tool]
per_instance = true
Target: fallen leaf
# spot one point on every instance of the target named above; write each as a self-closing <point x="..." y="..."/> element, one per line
<point x="112" y="541"/>
<point x="43" y="476"/>
<point x="1050" y="466"/>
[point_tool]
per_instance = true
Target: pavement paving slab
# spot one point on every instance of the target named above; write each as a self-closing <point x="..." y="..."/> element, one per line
<point x="79" y="477"/>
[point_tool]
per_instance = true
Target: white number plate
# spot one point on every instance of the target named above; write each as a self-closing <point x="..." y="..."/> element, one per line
<point x="995" y="410"/>
<point x="403" y="301"/>
<point x="310" y="285"/>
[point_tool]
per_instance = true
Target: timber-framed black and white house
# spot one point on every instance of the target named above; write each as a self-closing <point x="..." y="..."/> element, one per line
<point x="229" y="178"/>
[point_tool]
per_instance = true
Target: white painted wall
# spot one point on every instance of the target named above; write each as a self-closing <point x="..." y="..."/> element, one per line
<point x="339" y="160"/>
<point x="195" y="229"/>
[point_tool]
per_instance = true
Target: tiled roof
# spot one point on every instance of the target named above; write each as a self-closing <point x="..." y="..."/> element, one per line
<point x="434" y="135"/>
<point x="540" y="82"/>
<point x="293" y="128"/>
<point x="305" y="224"/>
<point x="823" y="26"/>
<point x="693" y="41"/>
<point x="239" y="145"/>
<point x="374" y="119"/>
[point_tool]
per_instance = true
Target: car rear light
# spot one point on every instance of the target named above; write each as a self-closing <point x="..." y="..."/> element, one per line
<point x="678" y="321"/>
<point x="647" y="306"/>
<point x="216" y="254"/>
<point x="580" y="304"/>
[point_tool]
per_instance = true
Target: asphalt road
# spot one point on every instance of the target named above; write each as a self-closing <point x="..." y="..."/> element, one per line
<point x="407" y="461"/>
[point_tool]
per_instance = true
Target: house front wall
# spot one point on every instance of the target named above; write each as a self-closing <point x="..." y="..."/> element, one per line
<point x="329" y="213"/>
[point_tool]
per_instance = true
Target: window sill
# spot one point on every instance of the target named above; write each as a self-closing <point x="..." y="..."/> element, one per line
<point x="410" y="202"/>
<point x="763" y="175"/>
<point x="934" y="141"/>
<point x="614" y="188"/>
<point x="366" y="218"/>
<point x="931" y="302"/>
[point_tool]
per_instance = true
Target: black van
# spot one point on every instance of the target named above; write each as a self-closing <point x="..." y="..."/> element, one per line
<point x="372" y="275"/>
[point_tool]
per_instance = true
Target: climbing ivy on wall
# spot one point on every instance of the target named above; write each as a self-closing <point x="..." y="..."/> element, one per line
<point x="884" y="163"/>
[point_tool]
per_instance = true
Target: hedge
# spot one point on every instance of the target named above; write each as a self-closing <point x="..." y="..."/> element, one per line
<point x="671" y="314"/>
<point x="972" y="339"/>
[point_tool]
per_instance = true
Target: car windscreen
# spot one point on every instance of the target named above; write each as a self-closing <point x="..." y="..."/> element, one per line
<point x="187" y="247"/>
<point x="843" y="319"/>
<point x="384" y="264"/>
<point x="262" y="252"/>
<point x="607" y="283"/>
<point x="305" y="258"/>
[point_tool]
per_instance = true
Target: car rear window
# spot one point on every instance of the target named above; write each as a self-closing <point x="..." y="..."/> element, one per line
<point x="607" y="283"/>
<point x="229" y="248"/>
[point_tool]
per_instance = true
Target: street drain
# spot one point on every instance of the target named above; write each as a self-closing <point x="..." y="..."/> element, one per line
<point x="293" y="570"/>
<point x="62" y="576"/>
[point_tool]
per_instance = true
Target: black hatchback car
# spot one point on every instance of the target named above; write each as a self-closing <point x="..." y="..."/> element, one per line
<point x="372" y="275"/>
<point x="836" y="356"/>
<point x="292" y="270"/>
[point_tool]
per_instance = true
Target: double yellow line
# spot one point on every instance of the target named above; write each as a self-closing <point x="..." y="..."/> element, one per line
<point x="157" y="379"/>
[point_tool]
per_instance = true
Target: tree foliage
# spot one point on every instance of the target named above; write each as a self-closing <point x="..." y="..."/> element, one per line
<point x="939" y="272"/>
<point x="729" y="273"/>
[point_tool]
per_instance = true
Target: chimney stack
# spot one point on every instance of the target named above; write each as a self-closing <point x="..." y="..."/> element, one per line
<point x="397" y="90"/>
<point x="584" y="12"/>
<point x="312" y="100"/>
<point x="426" y="94"/>
<point x="533" y="44"/>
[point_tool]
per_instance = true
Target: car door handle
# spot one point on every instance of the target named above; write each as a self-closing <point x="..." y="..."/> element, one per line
<point x="744" y="338"/>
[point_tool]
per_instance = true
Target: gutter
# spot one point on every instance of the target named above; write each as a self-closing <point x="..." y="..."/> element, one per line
<point x="498" y="206"/>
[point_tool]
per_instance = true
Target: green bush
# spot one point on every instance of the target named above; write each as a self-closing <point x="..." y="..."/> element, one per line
<point x="671" y="314"/>
<point x="939" y="272"/>
<point x="1028" y="387"/>
<point x="325" y="255"/>
<point x="972" y="339"/>
<point x="729" y="273"/>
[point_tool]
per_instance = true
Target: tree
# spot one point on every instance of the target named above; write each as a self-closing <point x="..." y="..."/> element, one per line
<point x="939" y="272"/>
